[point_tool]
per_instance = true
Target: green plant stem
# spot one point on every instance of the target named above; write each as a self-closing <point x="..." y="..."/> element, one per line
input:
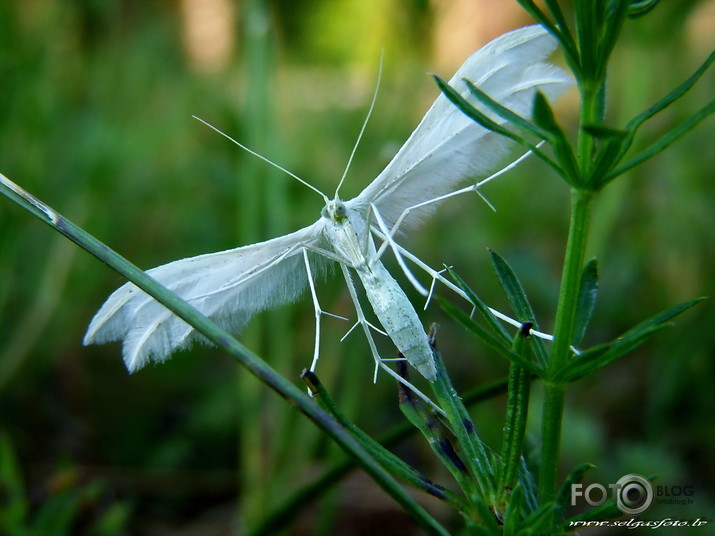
<point x="563" y="339"/>
<point x="551" y="417"/>
<point x="591" y="85"/>
<point x="574" y="261"/>
<point x="259" y="368"/>
<point x="589" y="115"/>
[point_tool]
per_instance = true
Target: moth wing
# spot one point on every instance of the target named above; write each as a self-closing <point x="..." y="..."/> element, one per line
<point x="229" y="287"/>
<point x="448" y="148"/>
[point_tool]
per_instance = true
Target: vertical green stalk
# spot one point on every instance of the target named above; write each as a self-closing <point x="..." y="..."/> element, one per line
<point x="574" y="259"/>
<point x="551" y="418"/>
<point x="591" y="111"/>
<point x="563" y="338"/>
<point x="255" y="446"/>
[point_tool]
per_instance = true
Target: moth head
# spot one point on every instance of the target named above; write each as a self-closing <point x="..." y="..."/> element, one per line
<point x="335" y="210"/>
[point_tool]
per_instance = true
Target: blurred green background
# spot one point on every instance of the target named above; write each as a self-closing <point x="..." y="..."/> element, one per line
<point x="96" y="98"/>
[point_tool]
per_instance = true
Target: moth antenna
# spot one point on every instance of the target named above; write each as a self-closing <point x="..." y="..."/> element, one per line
<point x="364" y="124"/>
<point x="254" y="153"/>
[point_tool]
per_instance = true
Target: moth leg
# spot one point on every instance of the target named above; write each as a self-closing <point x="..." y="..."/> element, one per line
<point x="431" y="288"/>
<point x="388" y="239"/>
<point x="368" y="225"/>
<point x="373" y="348"/>
<point x="437" y="275"/>
<point x="472" y="188"/>
<point x="316" y="307"/>
<point x="356" y="324"/>
<point x="318" y="311"/>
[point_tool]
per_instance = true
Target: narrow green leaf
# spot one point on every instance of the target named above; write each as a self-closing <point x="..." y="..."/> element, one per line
<point x="486" y="516"/>
<point x="564" y="36"/>
<point x="505" y="113"/>
<point x="513" y="513"/>
<point x="544" y="118"/>
<point x="538" y="15"/>
<point x="57" y="514"/>
<point x="588" y="22"/>
<point x="560" y="30"/>
<point x="527" y="480"/>
<point x="604" y="354"/>
<point x="638" y="8"/>
<point x="635" y="123"/>
<point x="563" y="498"/>
<point x="665" y="141"/>
<point x="475" y="456"/>
<point x="604" y="162"/>
<point x="519" y="302"/>
<point x="513" y="289"/>
<point x="439" y="440"/>
<point x="613" y="23"/>
<point x="607" y="510"/>
<point x="589" y="362"/>
<point x="517" y="407"/>
<point x="538" y="522"/>
<point x="586" y="300"/>
<point x="605" y="132"/>
<point x="469" y="110"/>
<point x="478" y="116"/>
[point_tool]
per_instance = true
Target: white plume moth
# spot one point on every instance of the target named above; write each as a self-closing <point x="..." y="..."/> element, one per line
<point x="446" y="149"/>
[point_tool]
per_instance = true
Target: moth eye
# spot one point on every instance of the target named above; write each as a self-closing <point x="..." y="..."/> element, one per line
<point x="340" y="211"/>
<point x="324" y="212"/>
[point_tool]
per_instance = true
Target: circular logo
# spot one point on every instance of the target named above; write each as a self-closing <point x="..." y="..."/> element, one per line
<point x="634" y="494"/>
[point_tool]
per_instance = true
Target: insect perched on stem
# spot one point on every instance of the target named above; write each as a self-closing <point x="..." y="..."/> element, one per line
<point x="446" y="149"/>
